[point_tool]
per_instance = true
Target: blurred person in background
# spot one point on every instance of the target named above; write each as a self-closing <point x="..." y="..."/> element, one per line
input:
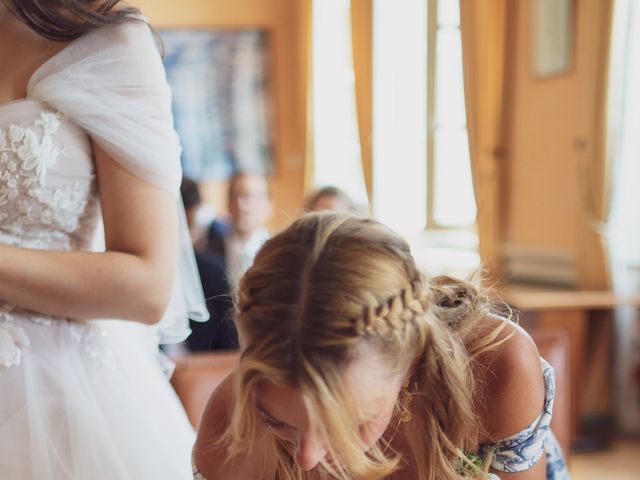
<point x="237" y="239"/>
<point x="219" y="332"/>
<point x="332" y="199"/>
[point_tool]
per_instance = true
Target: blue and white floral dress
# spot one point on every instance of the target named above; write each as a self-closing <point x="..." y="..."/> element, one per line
<point x="521" y="451"/>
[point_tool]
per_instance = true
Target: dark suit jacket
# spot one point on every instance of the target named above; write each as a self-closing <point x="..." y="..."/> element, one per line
<point x="216" y="233"/>
<point x="219" y="332"/>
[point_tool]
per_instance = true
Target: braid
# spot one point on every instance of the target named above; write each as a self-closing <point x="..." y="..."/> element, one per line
<point x="323" y="288"/>
<point x="397" y="313"/>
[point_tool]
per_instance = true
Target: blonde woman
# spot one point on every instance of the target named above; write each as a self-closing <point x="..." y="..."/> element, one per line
<point x="354" y="366"/>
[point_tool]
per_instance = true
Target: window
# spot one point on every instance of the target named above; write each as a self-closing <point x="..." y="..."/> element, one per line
<point x="421" y="168"/>
<point x="450" y="196"/>
<point x="419" y="114"/>
<point x="624" y="229"/>
<point x="399" y="114"/>
<point x="336" y="142"/>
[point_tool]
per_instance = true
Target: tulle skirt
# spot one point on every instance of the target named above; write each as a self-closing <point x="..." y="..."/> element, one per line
<point x="90" y="401"/>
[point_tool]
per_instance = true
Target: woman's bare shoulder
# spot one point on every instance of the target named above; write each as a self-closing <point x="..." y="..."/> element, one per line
<point x="512" y="385"/>
<point x="211" y="457"/>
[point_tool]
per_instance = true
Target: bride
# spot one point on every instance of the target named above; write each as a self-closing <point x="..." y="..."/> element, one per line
<point x="87" y="140"/>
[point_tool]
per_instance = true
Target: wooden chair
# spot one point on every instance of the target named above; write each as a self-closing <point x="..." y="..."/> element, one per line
<point x="197" y="375"/>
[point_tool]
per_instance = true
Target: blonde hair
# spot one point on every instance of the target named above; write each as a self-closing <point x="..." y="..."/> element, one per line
<point x="315" y="294"/>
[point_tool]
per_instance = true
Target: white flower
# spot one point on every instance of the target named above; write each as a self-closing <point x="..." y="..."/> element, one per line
<point x="12" y="166"/>
<point x="63" y="199"/>
<point x="11" y="339"/>
<point x="44" y="150"/>
<point x="27" y="152"/>
<point x="3" y="142"/>
<point x="49" y="122"/>
<point x="15" y="133"/>
<point x="45" y="158"/>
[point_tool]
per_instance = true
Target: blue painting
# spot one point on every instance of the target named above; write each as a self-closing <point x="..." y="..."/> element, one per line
<point x="221" y="103"/>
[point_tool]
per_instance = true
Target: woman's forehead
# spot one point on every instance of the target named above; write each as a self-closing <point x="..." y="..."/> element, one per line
<point x="368" y="381"/>
<point x="370" y="376"/>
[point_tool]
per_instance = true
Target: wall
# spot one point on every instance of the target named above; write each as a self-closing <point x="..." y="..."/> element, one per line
<point x="286" y="20"/>
<point x="552" y="141"/>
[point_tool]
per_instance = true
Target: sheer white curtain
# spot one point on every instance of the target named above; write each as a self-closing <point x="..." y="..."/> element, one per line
<point x="400" y="114"/>
<point x="336" y="141"/>
<point x="624" y="225"/>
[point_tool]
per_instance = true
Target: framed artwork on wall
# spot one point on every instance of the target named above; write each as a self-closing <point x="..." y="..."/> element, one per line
<point x="551" y="37"/>
<point x="222" y="104"/>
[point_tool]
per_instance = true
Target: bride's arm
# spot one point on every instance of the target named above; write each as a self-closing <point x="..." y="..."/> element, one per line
<point x="132" y="280"/>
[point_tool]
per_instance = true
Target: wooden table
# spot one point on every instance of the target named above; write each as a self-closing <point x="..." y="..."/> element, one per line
<point x="587" y="317"/>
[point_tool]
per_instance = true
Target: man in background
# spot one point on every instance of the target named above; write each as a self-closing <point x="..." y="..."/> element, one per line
<point x="217" y="333"/>
<point x="237" y="239"/>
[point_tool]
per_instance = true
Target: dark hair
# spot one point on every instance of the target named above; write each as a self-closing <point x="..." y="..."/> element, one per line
<point x="66" y="20"/>
<point x="332" y="192"/>
<point x="190" y="193"/>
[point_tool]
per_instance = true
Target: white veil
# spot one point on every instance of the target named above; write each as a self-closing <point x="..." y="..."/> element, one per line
<point x="111" y="83"/>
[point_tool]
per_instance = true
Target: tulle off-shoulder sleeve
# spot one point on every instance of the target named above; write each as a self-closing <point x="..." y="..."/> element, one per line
<point x="111" y="83"/>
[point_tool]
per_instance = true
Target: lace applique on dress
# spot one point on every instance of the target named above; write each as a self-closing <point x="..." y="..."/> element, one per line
<point x="27" y="152"/>
<point x="11" y="339"/>
<point x="38" y="211"/>
<point x="31" y="148"/>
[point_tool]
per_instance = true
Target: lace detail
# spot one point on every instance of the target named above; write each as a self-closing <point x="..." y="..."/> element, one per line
<point x="46" y="203"/>
<point x="33" y="147"/>
<point x="13" y="338"/>
<point x="27" y="152"/>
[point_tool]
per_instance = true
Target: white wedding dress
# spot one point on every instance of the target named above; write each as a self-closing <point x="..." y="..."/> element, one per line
<point x="87" y="399"/>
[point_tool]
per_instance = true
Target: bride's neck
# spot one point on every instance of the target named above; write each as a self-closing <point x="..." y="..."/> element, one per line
<point x="12" y="27"/>
<point x="22" y="51"/>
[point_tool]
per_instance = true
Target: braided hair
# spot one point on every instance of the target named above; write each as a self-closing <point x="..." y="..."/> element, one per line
<point x="320" y="290"/>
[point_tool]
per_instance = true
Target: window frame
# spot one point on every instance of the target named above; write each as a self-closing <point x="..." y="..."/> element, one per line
<point x="433" y="27"/>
